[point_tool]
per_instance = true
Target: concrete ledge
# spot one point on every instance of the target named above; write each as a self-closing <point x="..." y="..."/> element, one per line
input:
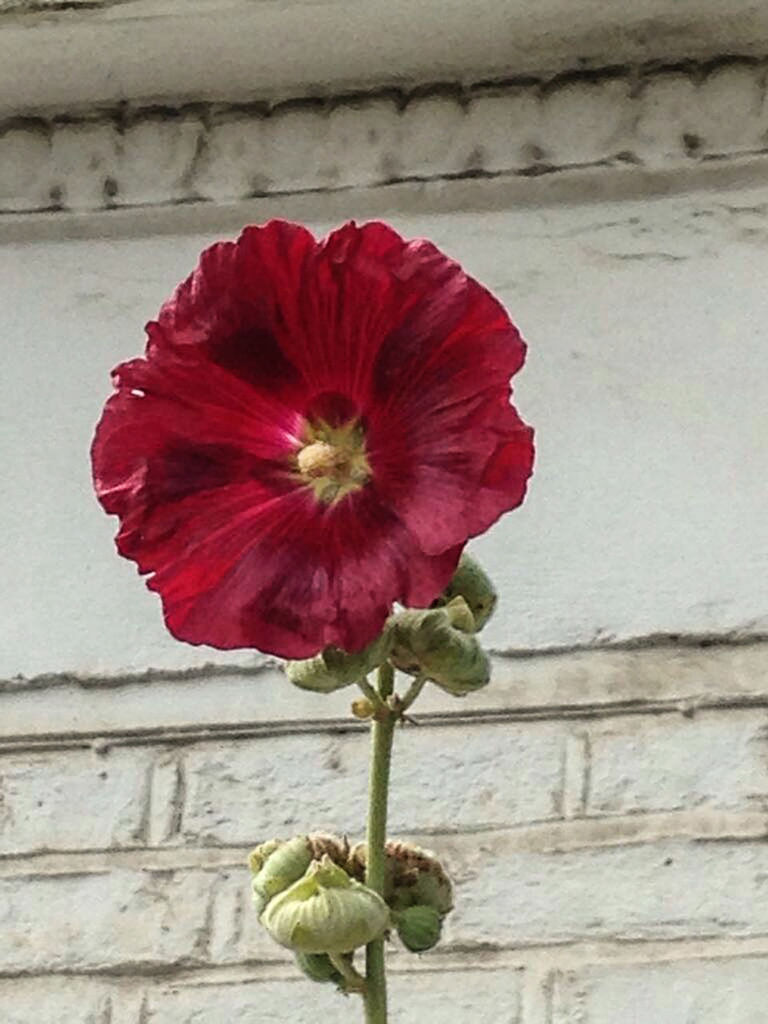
<point x="686" y="120"/>
<point x="143" y="51"/>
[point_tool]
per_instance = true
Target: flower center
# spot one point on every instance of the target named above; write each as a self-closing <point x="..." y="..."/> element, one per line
<point x="333" y="460"/>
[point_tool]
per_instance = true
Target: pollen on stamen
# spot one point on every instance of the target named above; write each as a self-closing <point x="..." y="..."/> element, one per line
<point x="321" y="459"/>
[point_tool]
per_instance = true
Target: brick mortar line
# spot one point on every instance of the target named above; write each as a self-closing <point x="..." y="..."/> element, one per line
<point x="651" y="643"/>
<point x="672" y="643"/>
<point x="546" y="837"/>
<point x="564" y="955"/>
<point x="104" y="739"/>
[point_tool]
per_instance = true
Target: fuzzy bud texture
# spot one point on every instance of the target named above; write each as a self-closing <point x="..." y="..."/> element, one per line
<point x="428" y="643"/>
<point x="471" y="582"/>
<point x="419" y="928"/>
<point x="334" y="669"/>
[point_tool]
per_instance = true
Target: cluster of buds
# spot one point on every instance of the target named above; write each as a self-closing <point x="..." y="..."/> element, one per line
<point x="438" y="643"/>
<point x="416" y="889"/>
<point x="311" y="897"/>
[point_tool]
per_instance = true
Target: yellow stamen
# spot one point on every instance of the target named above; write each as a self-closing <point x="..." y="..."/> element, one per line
<point x="322" y="459"/>
<point x="333" y="462"/>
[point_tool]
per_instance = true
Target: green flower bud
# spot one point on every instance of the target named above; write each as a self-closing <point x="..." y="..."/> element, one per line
<point x="334" y="669"/>
<point x="427" y="642"/>
<point x="460" y="616"/>
<point x="363" y="708"/>
<point x="282" y="867"/>
<point x="433" y="889"/>
<point x="326" y="911"/>
<point x="412" y="876"/>
<point x="321" y="843"/>
<point x="278" y="863"/>
<point x="357" y="862"/>
<point x="318" y="967"/>
<point x="419" y="928"/>
<point x="472" y="583"/>
<point x="257" y="857"/>
<point x="258" y="899"/>
<point x="419" y="879"/>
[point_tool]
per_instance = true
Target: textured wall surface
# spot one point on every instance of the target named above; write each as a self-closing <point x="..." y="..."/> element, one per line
<point x="603" y="804"/>
<point x="645" y="379"/>
<point x="603" y="814"/>
<point x="679" y="117"/>
<point x="106" y="52"/>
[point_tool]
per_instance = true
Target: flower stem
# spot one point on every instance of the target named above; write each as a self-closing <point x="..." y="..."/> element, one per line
<point x="412" y="692"/>
<point x="382" y="731"/>
<point x="354" y="982"/>
<point x="370" y="692"/>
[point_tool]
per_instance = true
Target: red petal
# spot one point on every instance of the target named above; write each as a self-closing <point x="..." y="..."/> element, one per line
<point x="242" y="568"/>
<point x="196" y="450"/>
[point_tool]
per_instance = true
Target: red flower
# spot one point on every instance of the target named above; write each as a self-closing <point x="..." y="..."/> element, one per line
<point x="315" y="431"/>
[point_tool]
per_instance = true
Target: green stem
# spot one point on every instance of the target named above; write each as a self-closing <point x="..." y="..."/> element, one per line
<point x="382" y="731"/>
<point x="412" y="692"/>
<point x="354" y="982"/>
<point x="370" y="692"/>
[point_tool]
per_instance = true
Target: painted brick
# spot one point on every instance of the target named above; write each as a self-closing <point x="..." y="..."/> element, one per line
<point x="507" y="126"/>
<point x="102" y="921"/>
<point x="434" y="135"/>
<point x="158" y="160"/>
<point x="699" y="992"/>
<point x="723" y="114"/>
<point x="71" y="1000"/>
<point x="26" y="1001"/>
<point x="584" y="121"/>
<point x="486" y="776"/>
<point x="731" y="99"/>
<point x="663" y="890"/>
<point x="130" y="918"/>
<point x="710" y="760"/>
<point x="24" y="162"/>
<point x="72" y="800"/>
<point x="482" y="997"/>
<point x="233" y="162"/>
<point x="84" y="164"/>
<point x="295" y="146"/>
<point x="366" y="136"/>
<point x="669" y="112"/>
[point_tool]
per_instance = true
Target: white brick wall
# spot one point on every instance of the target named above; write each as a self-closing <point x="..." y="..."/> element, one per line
<point x="603" y="863"/>
<point x="603" y="811"/>
<point x="719" y="992"/>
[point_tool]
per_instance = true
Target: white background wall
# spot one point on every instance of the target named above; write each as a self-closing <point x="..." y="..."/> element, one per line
<point x="603" y="804"/>
<point x="645" y="380"/>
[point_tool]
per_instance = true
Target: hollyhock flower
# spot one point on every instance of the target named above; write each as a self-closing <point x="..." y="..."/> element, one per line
<point x="314" y="432"/>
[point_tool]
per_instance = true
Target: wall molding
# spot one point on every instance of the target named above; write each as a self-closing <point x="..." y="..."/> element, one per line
<point x="112" y="51"/>
<point x="655" y="121"/>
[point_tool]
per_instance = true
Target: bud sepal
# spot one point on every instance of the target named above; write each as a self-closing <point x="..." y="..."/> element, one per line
<point x="325" y="911"/>
<point x="419" y="927"/>
<point x="416" y="888"/>
<point x="333" y="669"/>
<point x="436" y="643"/>
<point x="471" y="582"/>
